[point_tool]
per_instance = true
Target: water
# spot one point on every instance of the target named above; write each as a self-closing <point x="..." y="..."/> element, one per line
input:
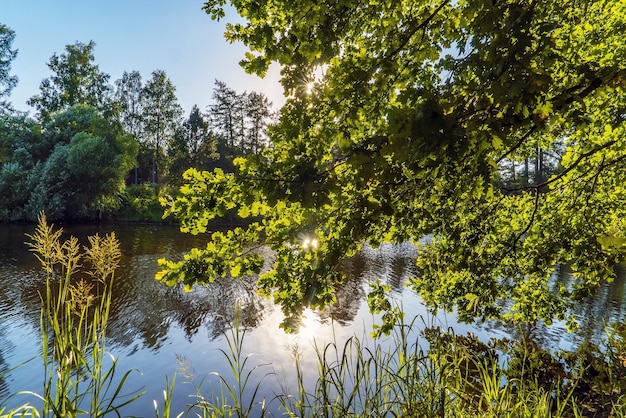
<point x="158" y="331"/>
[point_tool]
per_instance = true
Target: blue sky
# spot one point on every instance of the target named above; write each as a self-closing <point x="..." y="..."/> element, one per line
<point x="172" y="35"/>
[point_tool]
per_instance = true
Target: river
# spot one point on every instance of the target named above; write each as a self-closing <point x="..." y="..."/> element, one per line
<point x="159" y="331"/>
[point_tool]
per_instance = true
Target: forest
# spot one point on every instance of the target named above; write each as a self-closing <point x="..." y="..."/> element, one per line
<point x="489" y="134"/>
<point x="97" y="149"/>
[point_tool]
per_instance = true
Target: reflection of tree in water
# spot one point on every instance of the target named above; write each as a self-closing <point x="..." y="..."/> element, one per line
<point x="392" y="264"/>
<point x="604" y="306"/>
<point x="214" y="305"/>
<point x="144" y="310"/>
<point x="13" y="285"/>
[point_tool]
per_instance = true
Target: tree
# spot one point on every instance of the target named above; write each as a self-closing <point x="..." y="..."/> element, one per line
<point x="403" y="136"/>
<point x="258" y="116"/>
<point x="193" y="145"/>
<point x="7" y="55"/>
<point x="72" y="169"/>
<point x="240" y="122"/>
<point x="227" y="115"/>
<point x="76" y="79"/>
<point x="21" y="150"/>
<point x="161" y="115"/>
<point x="129" y="102"/>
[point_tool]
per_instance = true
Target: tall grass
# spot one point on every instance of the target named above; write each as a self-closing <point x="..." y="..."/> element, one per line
<point x="419" y="374"/>
<point x="79" y="374"/>
<point x="238" y="391"/>
<point x="397" y="378"/>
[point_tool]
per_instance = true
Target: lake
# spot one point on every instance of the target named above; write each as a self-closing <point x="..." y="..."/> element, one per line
<point x="159" y="331"/>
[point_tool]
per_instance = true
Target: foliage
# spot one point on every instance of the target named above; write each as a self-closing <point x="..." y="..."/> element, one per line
<point x="76" y="79"/>
<point x="72" y="168"/>
<point x="140" y="203"/>
<point x="7" y="55"/>
<point x="21" y="147"/>
<point x="240" y="120"/>
<point x="227" y="112"/>
<point x="161" y="115"/>
<point x="193" y="145"/>
<point x="400" y="118"/>
<point x="259" y="118"/>
<point x="128" y="98"/>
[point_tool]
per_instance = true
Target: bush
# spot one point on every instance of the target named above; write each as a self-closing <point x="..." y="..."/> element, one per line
<point x="140" y="203"/>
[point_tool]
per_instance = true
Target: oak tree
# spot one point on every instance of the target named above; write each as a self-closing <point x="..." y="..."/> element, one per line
<point x="399" y="119"/>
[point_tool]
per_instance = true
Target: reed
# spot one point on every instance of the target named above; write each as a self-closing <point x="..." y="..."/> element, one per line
<point x="79" y="374"/>
<point x="168" y="395"/>
<point x="391" y="378"/>
<point x="436" y="376"/>
<point x="238" y="393"/>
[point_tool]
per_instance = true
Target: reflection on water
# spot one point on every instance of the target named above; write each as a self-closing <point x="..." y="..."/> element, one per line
<point x="162" y="331"/>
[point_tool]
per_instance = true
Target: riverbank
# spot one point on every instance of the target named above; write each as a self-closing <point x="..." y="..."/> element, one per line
<point x="137" y="204"/>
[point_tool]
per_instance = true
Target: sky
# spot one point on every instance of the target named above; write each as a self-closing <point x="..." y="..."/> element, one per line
<point x="144" y="35"/>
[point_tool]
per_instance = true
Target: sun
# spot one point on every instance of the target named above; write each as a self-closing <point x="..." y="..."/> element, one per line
<point x="311" y="324"/>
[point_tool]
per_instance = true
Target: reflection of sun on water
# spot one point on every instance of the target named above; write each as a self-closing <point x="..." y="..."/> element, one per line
<point x="311" y="324"/>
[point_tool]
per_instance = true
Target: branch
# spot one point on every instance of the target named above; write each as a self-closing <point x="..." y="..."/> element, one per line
<point x="519" y="236"/>
<point x="413" y="31"/>
<point x="518" y="143"/>
<point x="564" y="172"/>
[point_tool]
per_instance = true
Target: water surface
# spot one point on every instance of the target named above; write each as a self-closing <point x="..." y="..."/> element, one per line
<point x="159" y="331"/>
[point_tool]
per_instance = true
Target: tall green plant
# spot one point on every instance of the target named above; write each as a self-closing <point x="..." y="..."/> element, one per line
<point x="79" y="375"/>
<point x="238" y="395"/>
<point x="396" y="377"/>
<point x="431" y="373"/>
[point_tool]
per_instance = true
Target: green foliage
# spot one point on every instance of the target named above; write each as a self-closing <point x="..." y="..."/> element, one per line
<point x="7" y="55"/>
<point x="141" y="203"/>
<point x="74" y="168"/>
<point x="399" y="120"/>
<point x="161" y="115"/>
<point x="378" y="302"/>
<point x="75" y="80"/>
<point x="193" y="145"/>
<point x="240" y="121"/>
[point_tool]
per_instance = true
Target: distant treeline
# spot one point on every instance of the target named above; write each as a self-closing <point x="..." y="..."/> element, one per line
<point x="90" y="139"/>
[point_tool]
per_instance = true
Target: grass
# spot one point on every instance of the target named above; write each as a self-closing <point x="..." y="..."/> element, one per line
<point x="80" y="376"/>
<point x="399" y="378"/>
<point x="238" y="394"/>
